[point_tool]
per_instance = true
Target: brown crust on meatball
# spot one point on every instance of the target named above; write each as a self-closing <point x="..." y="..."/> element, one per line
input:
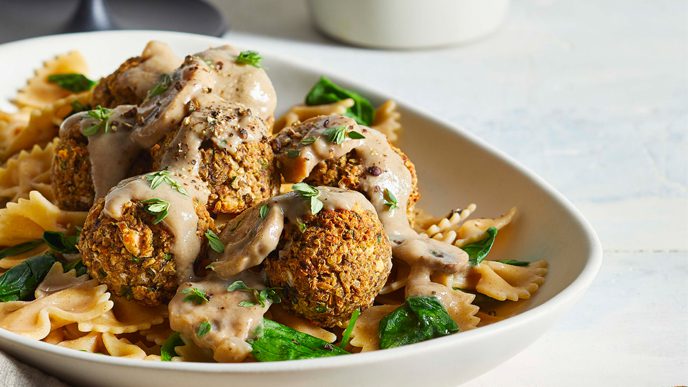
<point x="345" y="172"/>
<point x="71" y="174"/>
<point x="111" y="91"/>
<point x="238" y="181"/>
<point x="132" y="256"/>
<point x="336" y="265"/>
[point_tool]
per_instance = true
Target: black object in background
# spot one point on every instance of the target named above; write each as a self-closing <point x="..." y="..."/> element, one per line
<point x="20" y="19"/>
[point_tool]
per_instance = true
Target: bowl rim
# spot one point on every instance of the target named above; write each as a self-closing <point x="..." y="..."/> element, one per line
<point x="559" y="301"/>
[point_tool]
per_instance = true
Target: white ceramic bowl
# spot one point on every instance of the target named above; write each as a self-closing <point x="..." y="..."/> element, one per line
<point x="407" y="23"/>
<point x="454" y="168"/>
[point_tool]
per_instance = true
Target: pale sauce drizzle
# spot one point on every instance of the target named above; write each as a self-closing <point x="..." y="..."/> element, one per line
<point x="249" y="239"/>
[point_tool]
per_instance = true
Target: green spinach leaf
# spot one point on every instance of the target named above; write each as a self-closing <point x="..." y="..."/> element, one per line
<point x="73" y="81"/>
<point x="514" y="262"/>
<point x="167" y="351"/>
<point x="477" y="251"/>
<point x="277" y="342"/>
<point x="419" y="319"/>
<point x="325" y="91"/>
<point x="58" y="241"/>
<point x="20" y="282"/>
<point x="20" y="248"/>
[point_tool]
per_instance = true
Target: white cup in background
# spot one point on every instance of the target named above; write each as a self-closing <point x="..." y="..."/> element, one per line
<point x="407" y="24"/>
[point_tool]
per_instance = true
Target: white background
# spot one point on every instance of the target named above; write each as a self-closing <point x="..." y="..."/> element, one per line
<point x="591" y="95"/>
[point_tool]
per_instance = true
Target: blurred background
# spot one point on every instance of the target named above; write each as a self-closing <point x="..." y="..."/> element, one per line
<point x="590" y="95"/>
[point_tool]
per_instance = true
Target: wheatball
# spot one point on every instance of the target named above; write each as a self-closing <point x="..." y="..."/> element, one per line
<point x="132" y="255"/>
<point x="344" y="172"/>
<point x="235" y="157"/>
<point x="330" y="265"/>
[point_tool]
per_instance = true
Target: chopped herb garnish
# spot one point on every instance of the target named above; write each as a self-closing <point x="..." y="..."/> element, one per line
<point x="390" y="200"/>
<point x="167" y="351"/>
<point x="102" y="115"/>
<point x="214" y="241"/>
<point x="420" y="318"/>
<point x="251" y="58"/>
<point x="263" y="211"/>
<point x="335" y="134"/>
<point x="157" y="207"/>
<point x="73" y="82"/>
<point x="293" y="153"/>
<point x="355" y="135"/>
<point x="308" y="140"/>
<point x="311" y="193"/>
<point x="20" y="282"/>
<point x="277" y="342"/>
<point x="20" y="248"/>
<point x="514" y="262"/>
<point x="349" y="328"/>
<point x="478" y="251"/>
<point x="58" y="241"/>
<point x="260" y="296"/>
<point x="159" y="177"/>
<point x="195" y="295"/>
<point x="325" y="91"/>
<point x="163" y="84"/>
<point x="203" y="328"/>
<point x="302" y="226"/>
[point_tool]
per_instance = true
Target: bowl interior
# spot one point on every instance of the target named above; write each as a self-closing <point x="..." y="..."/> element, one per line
<point x="454" y="168"/>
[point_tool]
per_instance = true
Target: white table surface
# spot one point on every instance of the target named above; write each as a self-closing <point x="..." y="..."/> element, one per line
<point x="591" y="95"/>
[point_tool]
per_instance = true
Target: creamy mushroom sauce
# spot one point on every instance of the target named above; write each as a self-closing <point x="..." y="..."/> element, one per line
<point x="249" y="239"/>
<point x="374" y="151"/>
<point x="210" y="97"/>
<point x="182" y="220"/>
<point x="111" y="154"/>
<point x="231" y="324"/>
<point x="157" y="58"/>
<point x="212" y="73"/>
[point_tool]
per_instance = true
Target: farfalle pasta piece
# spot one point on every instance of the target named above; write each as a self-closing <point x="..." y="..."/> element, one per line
<point x="121" y="347"/>
<point x="158" y="333"/>
<point x="365" y="332"/>
<point x="28" y="171"/>
<point x="457" y="303"/>
<point x="508" y="282"/>
<point x="397" y="278"/>
<point x="125" y="317"/>
<point x="35" y="319"/>
<point x="473" y="230"/>
<point x="388" y="120"/>
<point x="27" y="219"/>
<point x="303" y="112"/>
<point x="444" y="229"/>
<point x="191" y="352"/>
<point x="42" y="127"/>
<point x="38" y="92"/>
<point x="91" y="342"/>
<point x="301" y="324"/>
<point x="57" y="280"/>
<point x="14" y="260"/>
<point x="11" y="124"/>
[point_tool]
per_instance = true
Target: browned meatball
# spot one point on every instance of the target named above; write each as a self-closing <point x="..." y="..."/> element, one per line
<point x="132" y="255"/>
<point x="336" y="265"/>
<point x="238" y="178"/>
<point x="72" y="169"/>
<point x="71" y="174"/>
<point x="112" y="91"/>
<point x="130" y="83"/>
<point x="344" y="172"/>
